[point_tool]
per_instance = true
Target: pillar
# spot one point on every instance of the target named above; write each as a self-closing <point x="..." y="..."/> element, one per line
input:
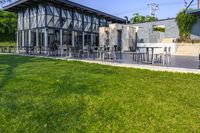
<point x="29" y="38"/>
<point x="61" y="37"/>
<point x="23" y="39"/>
<point x="17" y="43"/>
<point x="46" y="40"/>
<point x="92" y="39"/>
<point x="73" y="43"/>
<point x="37" y="38"/>
<point x="83" y="39"/>
<point x="61" y="42"/>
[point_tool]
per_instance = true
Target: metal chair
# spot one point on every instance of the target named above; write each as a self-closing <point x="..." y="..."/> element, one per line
<point x="138" y="56"/>
<point x="165" y="57"/>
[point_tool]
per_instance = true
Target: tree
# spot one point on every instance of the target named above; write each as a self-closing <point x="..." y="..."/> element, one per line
<point x="7" y="22"/>
<point x="185" y="23"/>
<point x="137" y="18"/>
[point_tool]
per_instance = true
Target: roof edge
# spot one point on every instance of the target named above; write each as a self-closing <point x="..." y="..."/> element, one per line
<point x="8" y="8"/>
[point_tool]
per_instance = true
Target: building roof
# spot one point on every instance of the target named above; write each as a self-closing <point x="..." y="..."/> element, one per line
<point x="19" y="4"/>
<point x="194" y="12"/>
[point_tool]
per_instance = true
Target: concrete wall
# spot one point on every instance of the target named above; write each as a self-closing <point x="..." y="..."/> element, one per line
<point x="188" y="49"/>
<point x="128" y="38"/>
<point x="111" y="33"/>
<point x="147" y="34"/>
<point x="180" y="49"/>
<point x="103" y="36"/>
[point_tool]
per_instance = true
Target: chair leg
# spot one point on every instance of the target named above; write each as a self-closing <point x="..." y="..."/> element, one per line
<point x="164" y="60"/>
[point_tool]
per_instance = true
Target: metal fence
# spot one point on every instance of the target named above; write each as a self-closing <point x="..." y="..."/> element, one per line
<point x="7" y="49"/>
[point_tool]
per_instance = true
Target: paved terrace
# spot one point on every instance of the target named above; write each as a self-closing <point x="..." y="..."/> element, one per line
<point x="181" y="64"/>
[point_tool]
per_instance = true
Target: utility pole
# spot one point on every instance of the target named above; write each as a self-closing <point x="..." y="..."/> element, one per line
<point x="153" y="8"/>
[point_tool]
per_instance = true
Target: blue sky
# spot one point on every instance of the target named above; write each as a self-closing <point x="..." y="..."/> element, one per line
<point x="121" y="8"/>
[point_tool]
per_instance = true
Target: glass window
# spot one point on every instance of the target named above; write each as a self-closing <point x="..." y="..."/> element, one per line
<point x="41" y="16"/>
<point x="103" y="22"/>
<point x="53" y="39"/>
<point x="33" y="37"/>
<point x="56" y="17"/>
<point x="67" y="19"/>
<point x="26" y="19"/>
<point x="95" y="24"/>
<point x="67" y="38"/>
<point x="78" y="21"/>
<point x="53" y="16"/>
<point x="95" y="39"/>
<point x="78" y="40"/>
<point x="87" y="39"/>
<point x="33" y="17"/>
<point x="87" y="23"/>
<point x="41" y="37"/>
<point x="26" y="38"/>
<point x="20" y="20"/>
<point x="20" y="38"/>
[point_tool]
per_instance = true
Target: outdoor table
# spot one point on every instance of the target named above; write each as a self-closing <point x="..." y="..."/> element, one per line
<point x="152" y="52"/>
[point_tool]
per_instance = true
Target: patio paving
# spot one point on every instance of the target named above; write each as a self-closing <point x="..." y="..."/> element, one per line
<point x="181" y="64"/>
<point x="190" y="62"/>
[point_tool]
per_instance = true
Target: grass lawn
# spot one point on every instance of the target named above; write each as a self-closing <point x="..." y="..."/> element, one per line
<point x="7" y="43"/>
<point x="44" y="95"/>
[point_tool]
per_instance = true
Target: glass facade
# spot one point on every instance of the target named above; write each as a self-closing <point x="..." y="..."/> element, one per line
<point x="78" y="21"/>
<point x="41" y="37"/>
<point x="20" y="19"/>
<point x="47" y="25"/>
<point x="33" y="17"/>
<point x="41" y="15"/>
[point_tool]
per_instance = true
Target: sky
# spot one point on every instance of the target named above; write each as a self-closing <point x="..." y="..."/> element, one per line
<point x="121" y="8"/>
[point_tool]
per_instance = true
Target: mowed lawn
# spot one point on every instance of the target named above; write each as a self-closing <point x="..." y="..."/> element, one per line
<point x="45" y="95"/>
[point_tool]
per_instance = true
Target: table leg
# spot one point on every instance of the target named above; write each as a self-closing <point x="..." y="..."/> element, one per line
<point x="152" y="59"/>
<point x="147" y="54"/>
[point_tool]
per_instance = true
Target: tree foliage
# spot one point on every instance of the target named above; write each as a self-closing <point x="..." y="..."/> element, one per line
<point x="7" y="22"/>
<point x="185" y="23"/>
<point x="160" y="29"/>
<point x="137" y="18"/>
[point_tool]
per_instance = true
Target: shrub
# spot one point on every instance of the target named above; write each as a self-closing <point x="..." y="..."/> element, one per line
<point x="185" y="23"/>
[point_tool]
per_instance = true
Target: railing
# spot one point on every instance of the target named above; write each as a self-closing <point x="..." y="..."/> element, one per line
<point x="7" y="49"/>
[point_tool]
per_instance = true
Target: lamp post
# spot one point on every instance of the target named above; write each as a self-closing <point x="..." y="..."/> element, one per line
<point x="126" y="19"/>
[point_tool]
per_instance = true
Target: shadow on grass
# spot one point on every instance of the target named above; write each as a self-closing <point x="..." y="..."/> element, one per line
<point x="12" y="62"/>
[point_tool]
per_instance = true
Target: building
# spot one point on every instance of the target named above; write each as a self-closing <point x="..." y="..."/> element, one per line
<point x="50" y="24"/>
<point x="163" y="31"/>
<point x="120" y="35"/>
<point x="157" y="31"/>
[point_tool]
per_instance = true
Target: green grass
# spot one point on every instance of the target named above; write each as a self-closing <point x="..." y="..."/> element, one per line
<point x="44" y="95"/>
<point x="7" y="43"/>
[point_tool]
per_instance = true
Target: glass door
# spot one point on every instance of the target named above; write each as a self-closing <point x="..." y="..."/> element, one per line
<point x="78" y="40"/>
<point x="67" y="38"/>
<point x="87" y="39"/>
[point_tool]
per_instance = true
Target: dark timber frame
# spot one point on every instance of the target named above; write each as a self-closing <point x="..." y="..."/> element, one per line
<point x="54" y="23"/>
